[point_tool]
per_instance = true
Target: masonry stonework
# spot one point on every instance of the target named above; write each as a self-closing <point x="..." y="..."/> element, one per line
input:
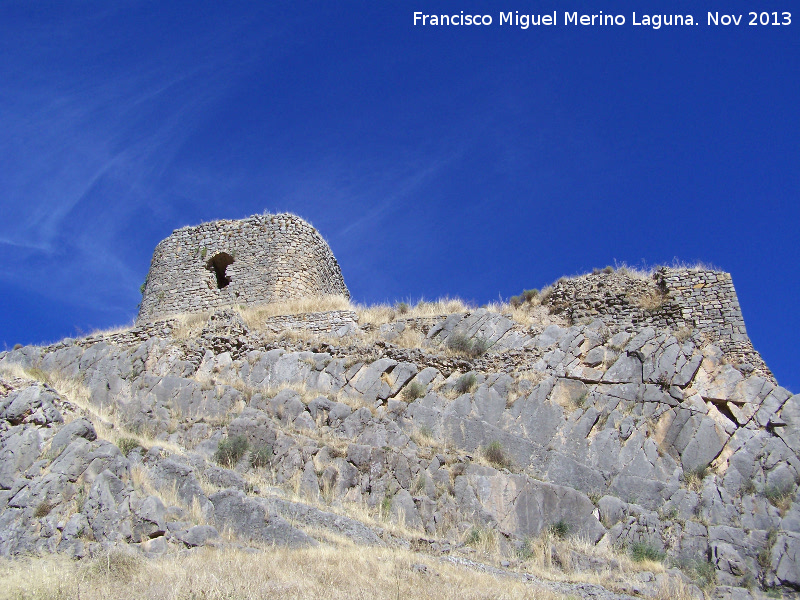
<point x="261" y="259"/>
<point x="702" y="300"/>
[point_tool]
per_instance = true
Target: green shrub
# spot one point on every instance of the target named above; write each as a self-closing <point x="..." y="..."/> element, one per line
<point x="386" y="505"/>
<point x="126" y="445"/>
<point x="261" y="457"/>
<point x="472" y="348"/>
<point x="560" y="529"/>
<point x="779" y="496"/>
<point x="230" y="450"/>
<point x="480" y="346"/>
<point x="641" y="551"/>
<point x="413" y="391"/>
<point x="466" y="383"/>
<point x="473" y="537"/>
<point x="402" y="308"/>
<point x="702" y="572"/>
<point x="495" y="455"/>
<point x="459" y="342"/>
<point x="526" y="296"/>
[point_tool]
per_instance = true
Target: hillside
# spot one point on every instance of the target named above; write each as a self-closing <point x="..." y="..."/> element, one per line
<point x="613" y="436"/>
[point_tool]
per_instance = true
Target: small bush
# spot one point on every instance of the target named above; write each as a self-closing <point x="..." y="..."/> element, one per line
<point x="560" y="529"/>
<point x="230" y="450"/>
<point x="413" y="391"/>
<point x="126" y="445"/>
<point x="473" y="348"/>
<point x="694" y="479"/>
<point x="527" y="296"/>
<point x="779" y="497"/>
<point x="261" y="457"/>
<point x="473" y="537"/>
<point x="402" y="308"/>
<point x="43" y="509"/>
<point x="466" y="383"/>
<point x="608" y="269"/>
<point x="459" y="342"/>
<point x="702" y="572"/>
<point x="386" y="505"/>
<point x="640" y="552"/>
<point x="480" y="346"/>
<point x="495" y="455"/>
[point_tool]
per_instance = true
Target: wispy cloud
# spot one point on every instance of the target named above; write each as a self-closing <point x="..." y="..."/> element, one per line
<point x="81" y="156"/>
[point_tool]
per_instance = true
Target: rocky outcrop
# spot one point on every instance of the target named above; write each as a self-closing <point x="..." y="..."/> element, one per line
<point x="624" y="436"/>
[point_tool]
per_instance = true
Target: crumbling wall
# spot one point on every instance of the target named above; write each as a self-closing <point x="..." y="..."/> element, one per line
<point x="336" y="322"/>
<point x="265" y="258"/>
<point x="701" y="300"/>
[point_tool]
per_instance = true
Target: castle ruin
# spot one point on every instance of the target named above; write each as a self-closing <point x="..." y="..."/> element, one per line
<point x="261" y="259"/>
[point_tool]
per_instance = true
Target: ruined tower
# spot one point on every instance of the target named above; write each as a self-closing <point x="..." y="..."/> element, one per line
<point x="261" y="259"/>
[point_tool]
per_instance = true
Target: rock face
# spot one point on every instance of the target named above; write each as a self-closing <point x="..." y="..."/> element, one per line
<point x="265" y="258"/>
<point x="624" y="434"/>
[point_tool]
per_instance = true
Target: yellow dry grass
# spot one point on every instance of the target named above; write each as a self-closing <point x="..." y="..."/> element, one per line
<point x="378" y="314"/>
<point x="169" y="495"/>
<point x="325" y="572"/>
<point x="103" y="418"/>
<point x="254" y="316"/>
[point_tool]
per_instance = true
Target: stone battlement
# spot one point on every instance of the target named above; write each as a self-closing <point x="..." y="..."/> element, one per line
<point x="261" y="259"/>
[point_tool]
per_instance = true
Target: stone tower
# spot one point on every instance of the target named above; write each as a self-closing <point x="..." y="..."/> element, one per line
<point x="261" y="259"/>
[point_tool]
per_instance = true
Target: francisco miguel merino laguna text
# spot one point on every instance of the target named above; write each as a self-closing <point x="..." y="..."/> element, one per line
<point x="570" y="18"/>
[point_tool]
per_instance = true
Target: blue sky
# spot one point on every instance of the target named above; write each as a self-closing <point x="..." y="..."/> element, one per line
<point x="462" y="161"/>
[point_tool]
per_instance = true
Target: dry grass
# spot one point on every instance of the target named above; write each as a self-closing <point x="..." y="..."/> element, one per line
<point x="169" y="495"/>
<point x="254" y="316"/>
<point x="324" y="572"/>
<point x="549" y="556"/>
<point x="651" y="300"/>
<point x="103" y="418"/>
<point x="379" y="314"/>
<point x="189" y="325"/>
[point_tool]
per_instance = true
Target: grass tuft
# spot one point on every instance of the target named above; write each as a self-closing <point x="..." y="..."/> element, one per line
<point x="413" y="391"/>
<point x="641" y="552"/>
<point x="261" y="457"/>
<point x="560" y="529"/>
<point x="496" y="455"/>
<point x="466" y="383"/>
<point x="469" y="347"/>
<point x="230" y="451"/>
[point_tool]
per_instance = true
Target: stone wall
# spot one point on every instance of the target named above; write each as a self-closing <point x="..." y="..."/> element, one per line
<point x="701" y="300"/>
<point x="265" y="258"/>
<point x="336" y="322"/>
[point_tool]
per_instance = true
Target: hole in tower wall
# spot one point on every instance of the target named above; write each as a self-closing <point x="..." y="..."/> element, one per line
<point x="219" y="263"/>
